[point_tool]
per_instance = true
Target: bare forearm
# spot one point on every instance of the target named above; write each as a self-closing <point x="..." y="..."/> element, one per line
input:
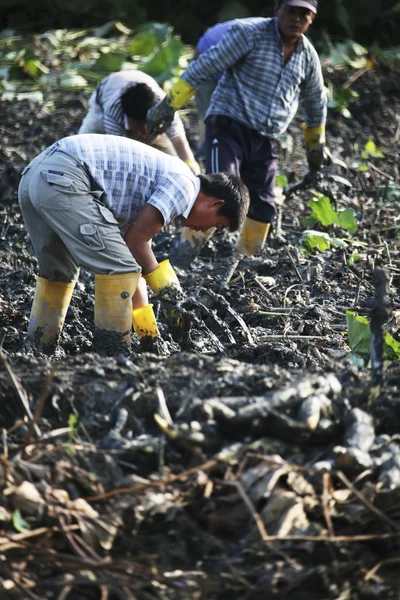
<point x="182" y="148"/>
<point x="142" y="253"/>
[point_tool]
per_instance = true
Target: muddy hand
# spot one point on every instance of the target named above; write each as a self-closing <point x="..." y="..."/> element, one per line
<point x="160" y="117"/>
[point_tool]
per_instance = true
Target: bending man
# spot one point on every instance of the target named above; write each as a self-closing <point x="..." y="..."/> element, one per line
<point x="119" y="105"/>
<point x="76" y="195"/>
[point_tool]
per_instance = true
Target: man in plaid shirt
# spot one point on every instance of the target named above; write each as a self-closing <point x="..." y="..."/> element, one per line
<point x="75" y="198"/>
<point x="268" y="67"/>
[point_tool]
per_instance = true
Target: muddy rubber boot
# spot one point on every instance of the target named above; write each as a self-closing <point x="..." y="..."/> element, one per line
<point x="187" y="245"/>
<point x="252" y="237"/>
<point x="113" y="310"/>
<point x="50" y="305"/>
<point x="144" y="322"/>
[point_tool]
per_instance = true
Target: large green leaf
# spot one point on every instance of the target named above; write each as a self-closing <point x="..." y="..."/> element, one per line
<point x="359" y="336"/>
<point x="347" y="220"/>
<point x="322" y="211"/>
<point x="143" y="44"/>
<point x="109" y="62"/>
<point x="359" y="333"/>
<point x="318" y="240"/>
<point x="163" y="63"/>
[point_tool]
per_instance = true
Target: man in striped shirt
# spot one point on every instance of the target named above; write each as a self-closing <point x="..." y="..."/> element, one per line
<point x="268" y="67"/>
<point x="119" y="105"/>
<point x="75" y="198"/>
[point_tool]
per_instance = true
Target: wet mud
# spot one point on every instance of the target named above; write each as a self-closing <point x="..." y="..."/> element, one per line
<point x="243" y="454"/>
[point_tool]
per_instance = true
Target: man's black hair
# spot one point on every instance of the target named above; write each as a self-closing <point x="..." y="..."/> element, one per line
<point x="233" y="191"/>
<point x="137" y="100"/>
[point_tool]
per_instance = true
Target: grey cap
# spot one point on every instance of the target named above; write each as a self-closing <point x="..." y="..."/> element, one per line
<point x="310" y="4"/>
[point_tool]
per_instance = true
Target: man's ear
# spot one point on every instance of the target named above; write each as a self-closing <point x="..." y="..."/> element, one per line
<point x="216" y="202"/>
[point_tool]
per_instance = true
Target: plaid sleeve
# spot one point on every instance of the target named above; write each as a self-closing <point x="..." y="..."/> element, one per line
<point x="234" y="44"/>
<point x="313" y="97"/>
<point x="172" y="196"/>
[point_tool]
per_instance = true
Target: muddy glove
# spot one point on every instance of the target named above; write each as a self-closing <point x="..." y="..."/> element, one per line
<point x="163" y="281"/>
<point x="160" y="116"/>
<point x="193" y="166"/>
<point x="315" y="143"/>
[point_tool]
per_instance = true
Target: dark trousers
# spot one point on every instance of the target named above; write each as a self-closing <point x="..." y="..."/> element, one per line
<point x="234" y="148"/>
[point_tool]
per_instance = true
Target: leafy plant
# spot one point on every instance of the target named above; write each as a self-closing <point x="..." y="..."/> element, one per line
<point x="340" y="98"/>
<point x="323" y="212"/>
<point x="369" y="151"/>
<point x="347" y="53"/>
<point x="318" y="240"/>
<point x="359" y="336"/>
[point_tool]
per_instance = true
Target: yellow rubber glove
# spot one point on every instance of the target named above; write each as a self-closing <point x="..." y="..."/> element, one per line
<point x="163" y="278"/>
<point x="193" y="166"/>
<point x="160" y="116"/>
<point x="315" y="143"/>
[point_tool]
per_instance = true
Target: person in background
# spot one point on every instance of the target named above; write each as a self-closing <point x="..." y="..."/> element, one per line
<point x="205" y="90"/>
<point x="75" y="199"/>
<point x="268" y="67"/>
<point x="119" y="106"/>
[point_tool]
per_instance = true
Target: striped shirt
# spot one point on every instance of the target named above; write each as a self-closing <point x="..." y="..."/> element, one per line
<point x="133" y="174"/>
<point x="108" y="97"/>
<point x="257" y="89"/>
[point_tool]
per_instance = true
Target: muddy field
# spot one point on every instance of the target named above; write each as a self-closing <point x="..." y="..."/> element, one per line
<point x="244" y="456"/>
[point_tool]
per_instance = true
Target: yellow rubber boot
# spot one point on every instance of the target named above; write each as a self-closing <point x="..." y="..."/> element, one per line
<point x="113" y="303"/>
<point x="50" y="305"/>
<point x="252" y="237"/>
<point x="188" y="245"/>
<point x="144" y="322"/>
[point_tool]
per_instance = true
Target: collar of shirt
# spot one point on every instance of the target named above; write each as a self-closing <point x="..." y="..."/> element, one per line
<point x="196" y="191"/>
<point x="300" y="43"/>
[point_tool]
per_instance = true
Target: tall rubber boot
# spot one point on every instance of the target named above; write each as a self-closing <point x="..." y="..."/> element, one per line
<point x="50" y="305"/>
<point x="252" y="237"/>
<point x="187" y="245"/>
<point x="113" y="303"/>
<point x="144" y="322"/>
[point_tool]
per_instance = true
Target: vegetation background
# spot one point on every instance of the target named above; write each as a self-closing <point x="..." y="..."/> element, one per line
<point x="366" y="21"/>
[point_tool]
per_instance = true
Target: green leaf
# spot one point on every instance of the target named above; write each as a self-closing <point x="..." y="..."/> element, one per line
<point x="354" y="258"/>
<point x="347" y="220"/>
<point x="162" y="63"/>
<point x="323" y="212"/>
<point x="143" y="44"/>
<point x="19" y="523"/>
<point x="370" y="150"/>
<point x="109" y="62"/>
<point x="359" y="334"/>
<point x="281" y="180"/>
<point x="316" y="240"/>
<point x="392" y="346"/>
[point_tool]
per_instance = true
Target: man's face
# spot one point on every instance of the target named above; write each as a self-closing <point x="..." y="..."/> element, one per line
<point x="204" y="215"/>
<point x="293" y="21"/>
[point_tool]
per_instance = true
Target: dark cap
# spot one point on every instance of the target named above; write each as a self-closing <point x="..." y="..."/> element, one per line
<point x="310" y="4"/>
